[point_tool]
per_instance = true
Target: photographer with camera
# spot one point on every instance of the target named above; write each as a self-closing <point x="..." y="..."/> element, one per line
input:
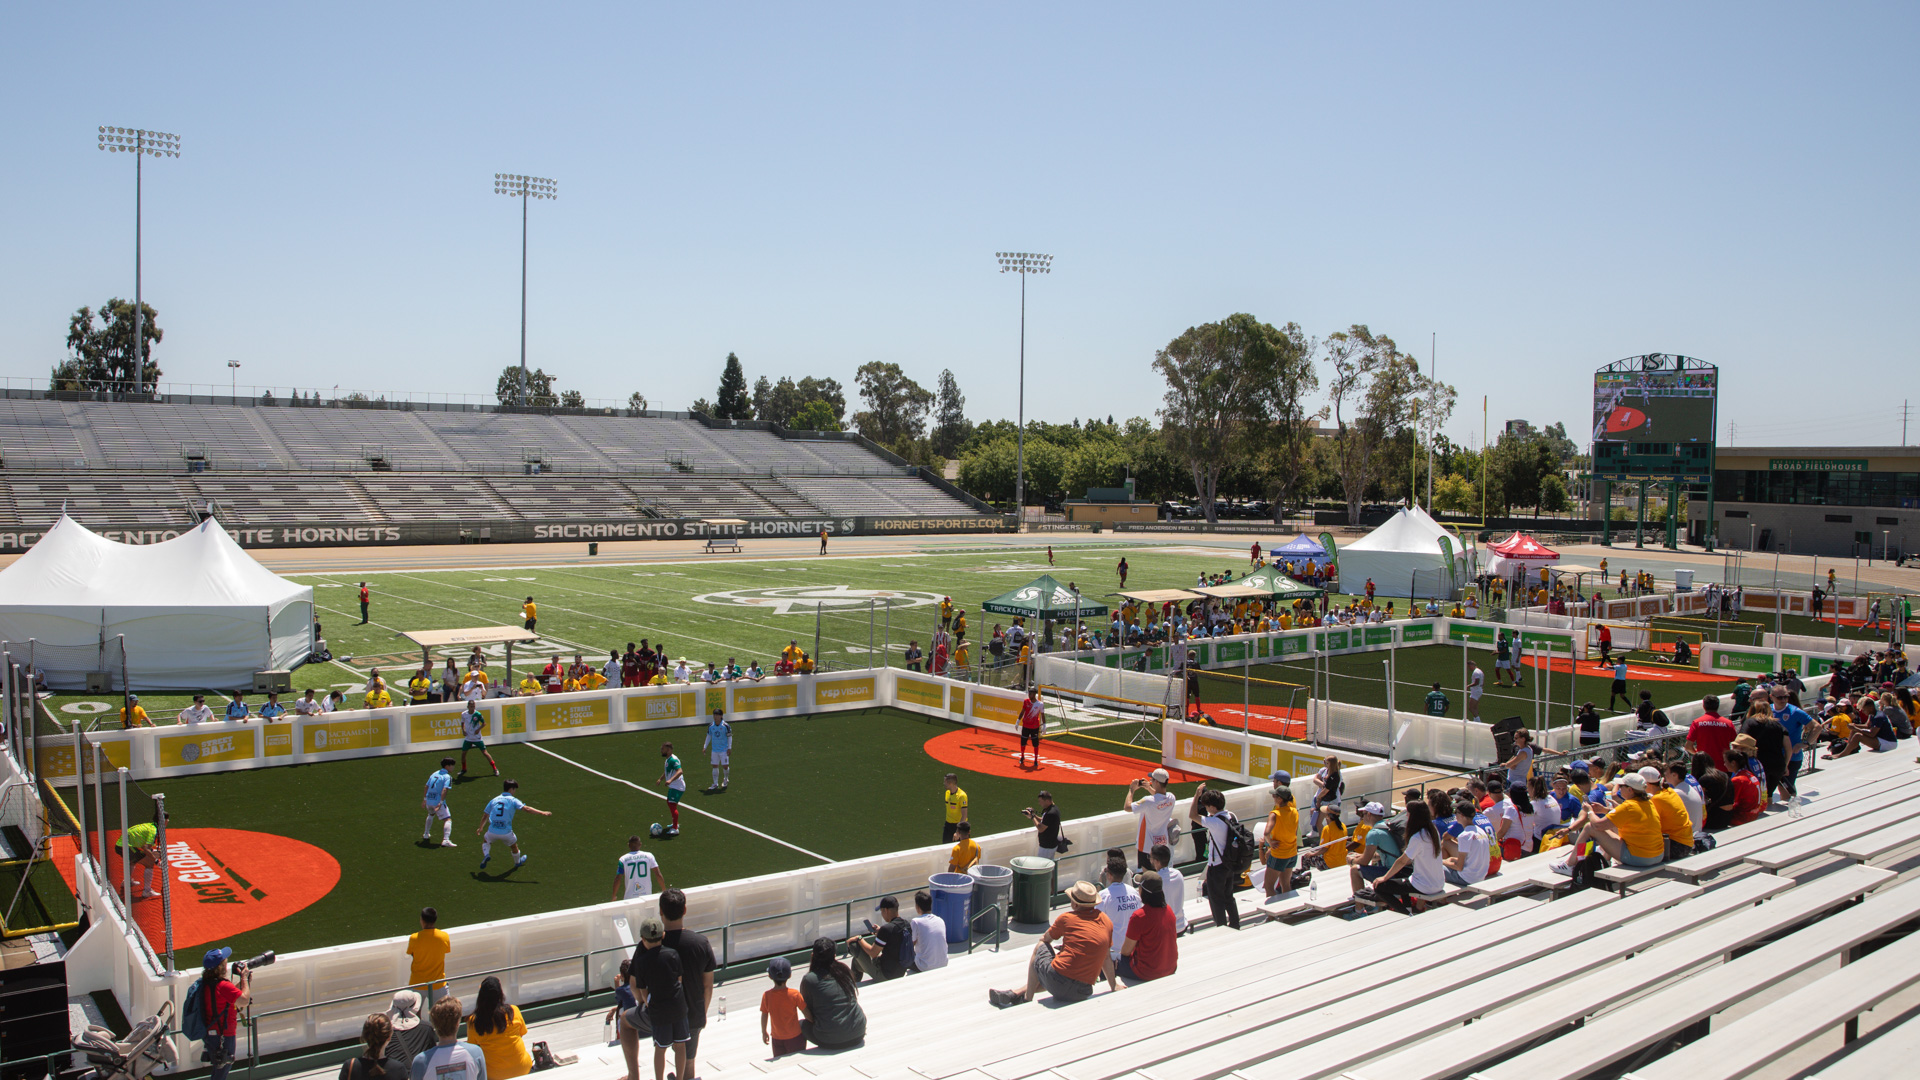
<point x="216" y="1001"/>
<point x="1046" y="825"/>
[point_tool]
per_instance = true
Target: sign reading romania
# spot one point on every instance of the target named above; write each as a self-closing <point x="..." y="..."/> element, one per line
<point x="224" y="881"/>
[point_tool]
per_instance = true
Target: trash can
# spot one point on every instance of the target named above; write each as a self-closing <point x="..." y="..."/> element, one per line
<point x="593" y="547"/>
<point x="952" y="896"/>
<point x="992" y="887"/>
<point x="1032" y="889"/>
<point x="1683" y="580"/>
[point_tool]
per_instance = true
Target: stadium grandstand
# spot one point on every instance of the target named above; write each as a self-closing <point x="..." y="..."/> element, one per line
<point x="431" y="472"/>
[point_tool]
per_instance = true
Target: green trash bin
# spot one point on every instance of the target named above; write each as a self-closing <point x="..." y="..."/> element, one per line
<point x="1032" y="889"/>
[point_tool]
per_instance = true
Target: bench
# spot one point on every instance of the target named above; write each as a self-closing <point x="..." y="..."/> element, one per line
<point x="1551" y="1008"/>
<point x="721" y="543"/>
<point x="1868" y="848"/>
<point x="1821" y="841"/>
<point x="1756" y="1040"/>
<point x="1654" y="1018"/>
<point x="1889" y="1052"/>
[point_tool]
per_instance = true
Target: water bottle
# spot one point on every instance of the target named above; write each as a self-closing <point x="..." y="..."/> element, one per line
<point x="723" y="1006"/>
<point x="609" y="1032"/>
<point x="1313" y="889"/>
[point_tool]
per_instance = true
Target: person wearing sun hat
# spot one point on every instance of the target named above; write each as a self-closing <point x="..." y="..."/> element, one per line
<point x="410" y="1034"/>
<point x="1082" y="958"/>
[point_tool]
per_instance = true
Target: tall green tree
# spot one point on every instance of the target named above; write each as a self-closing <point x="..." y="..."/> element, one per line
<point x="1288" y="426"/>
<point x="1373" y="388"/>
<point x="896" y="405"/>
<point x="100" y="350"/>
<point x="540" y="392"/>
<point x="950" y="427"/>
<point x="572" y="399"/>
<point x="1222" y="382"/>
<point x="763" y="398"/>
<point x="827" y="390"/>
<point x="815" y="415"/>
<point x="731" y="401"/>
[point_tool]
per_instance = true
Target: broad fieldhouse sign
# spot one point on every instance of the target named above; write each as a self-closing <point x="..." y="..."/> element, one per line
<point x="542" y="529"/>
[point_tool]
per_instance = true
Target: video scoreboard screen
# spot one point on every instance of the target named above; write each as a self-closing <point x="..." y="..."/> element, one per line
<point x="1654" y="417"/>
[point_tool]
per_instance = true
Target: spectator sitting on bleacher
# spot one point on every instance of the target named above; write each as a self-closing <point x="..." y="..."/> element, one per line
<point x="1466" y="847"/>
<point x="889" y="952"/>
<point x="1629" y="834"/>
<point x="1378" y="847"/>
<point x="1069" y="972"/>
<point x="1150" y="949"/>
<point x="929" y="934"/>
<point x="834" y="1020"/>
<point x="1173" y="884"/>
<point x="1744" y="785"/>
<point x="1688" y="790"/>
<point x="1418" y="871"/>
<point x="1118" y="898"/>
<point x="1716" y="792"/>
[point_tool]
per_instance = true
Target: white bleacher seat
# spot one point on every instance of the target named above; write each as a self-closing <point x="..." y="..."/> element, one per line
<point x="1748" y="1044"/>
<point x="1888" y="1052"/>
<point x="1652" y="1018"/>
<point x="1881" y="842"/>
<point x="1554" y="1003"/>
<point x="1834" y="829"/>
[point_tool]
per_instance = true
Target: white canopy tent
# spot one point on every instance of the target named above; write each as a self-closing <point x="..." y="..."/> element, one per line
<point x="1411" y="552"/>
<point x="196" y="612"/>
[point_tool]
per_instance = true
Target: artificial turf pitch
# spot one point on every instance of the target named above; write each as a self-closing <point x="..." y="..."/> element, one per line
<point x="805" y="791"/>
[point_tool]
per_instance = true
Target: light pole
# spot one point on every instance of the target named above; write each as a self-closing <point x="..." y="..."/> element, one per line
<point x="524" y="188"/>
<point x="141" y="144"/>
<point x="1022" y="263"/>
<point x="233" y="376"/>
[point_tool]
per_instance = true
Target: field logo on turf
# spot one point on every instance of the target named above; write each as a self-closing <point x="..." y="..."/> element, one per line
<point x="802" y="599"/>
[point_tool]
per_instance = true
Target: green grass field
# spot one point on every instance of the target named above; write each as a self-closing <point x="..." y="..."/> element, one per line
<point x="805" y="790"/>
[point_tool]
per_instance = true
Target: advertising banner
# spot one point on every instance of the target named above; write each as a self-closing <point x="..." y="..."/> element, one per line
<point x="1379" y="635"/>
<point x="1420" y="631"/>
<point x="932" y="695"/>
<point x="1331" y="640"/>
<point x="1291" y="645"/>
<point x="436" y="727"/>
<point x="513" y="719"/>
<point x="766" y="698"/>
<point x="1000" y="710"/>
<point x="562" y="715"/>
<point x="1230" y="652"/>
<point x="328" y="736"/>
<point x="1472" y="633"/>
<point x="173" y="751"/>
<point x="1728" y="661"/>
<point x="55" y="759"/>
<point x="277" y="740"/>
<point x="843" y="691"/>
<point x="1206" y="754"/>
<point x="658" y="706"/>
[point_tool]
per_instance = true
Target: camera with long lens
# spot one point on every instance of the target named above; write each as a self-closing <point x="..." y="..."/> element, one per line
<point x="265" y="959"/>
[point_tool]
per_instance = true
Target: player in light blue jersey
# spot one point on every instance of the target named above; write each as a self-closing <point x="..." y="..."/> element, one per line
<point x="719" y="744"/>
<point x="637" y="874"/>
<point x="498" y="828"/>
<point x="435" y="802"/>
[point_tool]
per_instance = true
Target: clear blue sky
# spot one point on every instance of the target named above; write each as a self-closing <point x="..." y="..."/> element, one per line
<point x="1546" y="187"/>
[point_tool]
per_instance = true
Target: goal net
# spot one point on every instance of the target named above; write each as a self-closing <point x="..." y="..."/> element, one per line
<point x="1644" y="642"/>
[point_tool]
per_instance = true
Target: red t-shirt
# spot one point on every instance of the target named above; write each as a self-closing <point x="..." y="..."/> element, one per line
<point x="1156" y="951"/>
<point x="1030" y="714"/>
<point x="1746" y="798"/>
<point x="1712" y="734"/>
<point x="226" y="1014"/>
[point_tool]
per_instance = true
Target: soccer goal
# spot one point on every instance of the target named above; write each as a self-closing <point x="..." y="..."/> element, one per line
<point x="1646" y="642"/>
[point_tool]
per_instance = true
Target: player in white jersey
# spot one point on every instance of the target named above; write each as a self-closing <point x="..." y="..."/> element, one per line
<point x="435" y="802"/>
<point x="637" y="874"/>
<point x="498" y="828"/>
<point x="473" y="726"/>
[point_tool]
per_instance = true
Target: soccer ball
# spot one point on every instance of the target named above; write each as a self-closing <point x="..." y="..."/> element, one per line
<point x="654" y="830"/>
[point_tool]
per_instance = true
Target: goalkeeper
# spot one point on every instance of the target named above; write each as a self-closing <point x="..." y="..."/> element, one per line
<point x="141" y="845"/>
<point x="1682" y="652"/>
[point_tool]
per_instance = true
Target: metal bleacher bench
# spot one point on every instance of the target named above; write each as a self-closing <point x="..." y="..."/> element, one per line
<point x="722" y="543"/>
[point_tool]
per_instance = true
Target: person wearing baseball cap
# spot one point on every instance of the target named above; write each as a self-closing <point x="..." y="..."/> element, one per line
<point x="1069" y="972"/>
<point x="1630" y="833"/>
<point x="1376" y="847"/>
<point x="220" y="1002"/>
<point x="780" y="1009"/>
<point x="1155" y="811"/>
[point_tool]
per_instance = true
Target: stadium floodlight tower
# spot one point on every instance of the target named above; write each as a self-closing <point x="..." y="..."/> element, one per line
<point x="1022" y="263"/>
<point x="142" y="144"/>
<point x="524" y="188"/>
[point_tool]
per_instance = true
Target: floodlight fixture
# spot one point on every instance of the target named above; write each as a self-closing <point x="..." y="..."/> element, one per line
<point x="525" y="188"/>
<point x="142" y="144"/>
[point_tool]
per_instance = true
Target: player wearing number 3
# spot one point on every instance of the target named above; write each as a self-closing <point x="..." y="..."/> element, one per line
<point x="435" y="802"/>
<point x="498" y="828"/>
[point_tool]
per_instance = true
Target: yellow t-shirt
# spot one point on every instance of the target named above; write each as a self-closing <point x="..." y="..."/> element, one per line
<point x="571" y="684"/>
<point x="956" y="801"/>
<point x="429" y="949"/>
<point x="529" y="686"/>
<point x="806" y="665"/>
<point x="659" y="679"/>
<point x="1286" y="621"/>
<point x="480" y="675"/>
<point x="1336" y="855"/>
<point x="418" y="687"/>
<point x="964" y="654"/>
<point x="593" y="681"/>
<point x="139" y="717"/>
<point x="1639" y="825"/>
<point x="506" y="1051"/>
<point x="529" y="609"/>
<point x="1675" y="823"/>
<point x="1283" y="833"/>
<point x="379" y="699"/>
<point x="965" y="854"/>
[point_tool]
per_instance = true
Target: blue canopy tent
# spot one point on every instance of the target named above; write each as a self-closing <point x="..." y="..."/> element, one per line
<point x="1302" y="548"/>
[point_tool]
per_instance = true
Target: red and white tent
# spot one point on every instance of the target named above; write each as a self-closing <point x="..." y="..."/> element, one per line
<point x="1517" y="552"/>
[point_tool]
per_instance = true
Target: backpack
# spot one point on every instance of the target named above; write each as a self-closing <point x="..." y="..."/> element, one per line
<point x="1237" y="854"/>
<point x="193" y="1020"/>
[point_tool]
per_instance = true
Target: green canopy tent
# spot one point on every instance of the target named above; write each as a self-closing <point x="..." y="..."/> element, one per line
<point x="1045" y="600"/>
<point x="1279" y="585"/>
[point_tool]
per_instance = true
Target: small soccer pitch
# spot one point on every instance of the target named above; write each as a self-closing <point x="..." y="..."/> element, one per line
<point x="304" y="856"/>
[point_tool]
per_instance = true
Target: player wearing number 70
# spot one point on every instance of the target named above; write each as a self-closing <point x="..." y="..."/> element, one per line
<point x="637" y="874"/>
